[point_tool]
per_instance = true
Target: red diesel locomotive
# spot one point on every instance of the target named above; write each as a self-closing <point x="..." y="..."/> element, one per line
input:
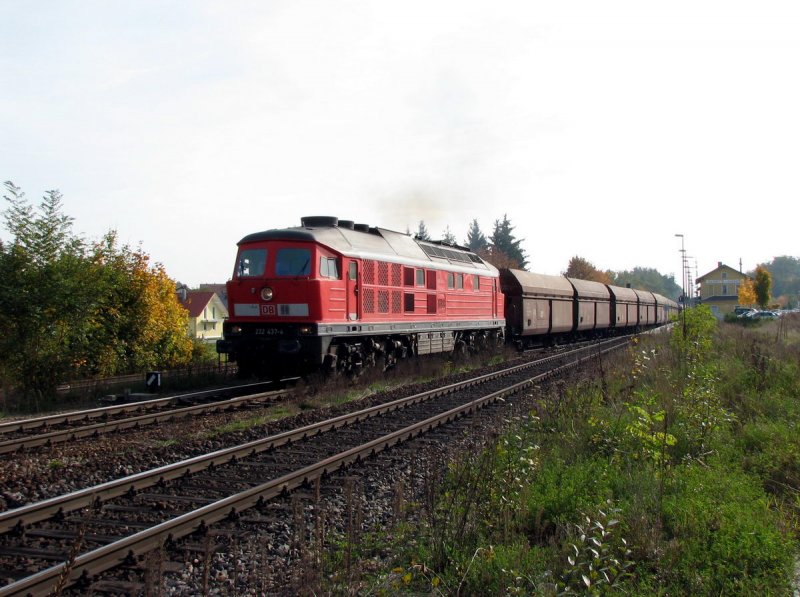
<point x="340" y="295"/>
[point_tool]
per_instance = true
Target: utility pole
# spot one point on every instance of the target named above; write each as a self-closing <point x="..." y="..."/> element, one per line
<point x="683" y="282"/>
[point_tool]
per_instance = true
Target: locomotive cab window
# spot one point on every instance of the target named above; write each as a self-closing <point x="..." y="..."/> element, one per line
<point x="451" y="280"/>
<point x="420" y="277"/>
<point x="328" y="267"/>
<point x="251" y="263"/>
<point x="293" y="262"/>
<point x="460" y="281"/>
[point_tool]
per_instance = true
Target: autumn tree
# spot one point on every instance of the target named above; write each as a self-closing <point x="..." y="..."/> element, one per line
<point x="584" y="270"/>
<point x="747" y="292"/>
<point x="497" y="258"/>
<point x="140" y="321"/>
<point x="69" y="309"/>
<point x="763" y="286"/>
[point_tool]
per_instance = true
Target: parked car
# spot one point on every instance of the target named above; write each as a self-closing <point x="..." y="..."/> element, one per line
<point x="742" y="312"/>
<point x="764" y="315"/>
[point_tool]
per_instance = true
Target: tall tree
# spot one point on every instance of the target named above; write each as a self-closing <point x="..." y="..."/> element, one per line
<point x="46" y="294"/>
<point x="785" y="272"/>
<point x="763" y="286"/>
<point x="448" y="236"/>
<point x="476" y="241"/>
<point x="747" y="292"/>
<point x="584" y="270"/>
<point x="503" y="243"/>
<point x="422" y="231"/>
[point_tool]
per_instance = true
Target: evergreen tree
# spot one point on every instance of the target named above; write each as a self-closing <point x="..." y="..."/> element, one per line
<point x="448" y="236"/>
<point x="422" y="232"/>
<point x="503" y="243"/>
<point x="476" y="241"/>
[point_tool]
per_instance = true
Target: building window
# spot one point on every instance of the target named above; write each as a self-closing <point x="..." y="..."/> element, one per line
<point x="724" y="289"/>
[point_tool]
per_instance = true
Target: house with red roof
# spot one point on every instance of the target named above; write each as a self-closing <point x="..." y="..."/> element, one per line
<point x="206" y="313"/>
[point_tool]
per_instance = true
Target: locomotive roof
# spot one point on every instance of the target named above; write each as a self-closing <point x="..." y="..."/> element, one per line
<point x="376" y="243"/>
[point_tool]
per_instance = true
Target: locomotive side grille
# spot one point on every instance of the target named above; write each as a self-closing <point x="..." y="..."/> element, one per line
<point x="397" y="301"/>
<point x="383" y="301"/>
<point x="369" y="272"/>
<point x="383" y="273"/>
<point x="397" y="274"/>
<point x="369" y="301"/>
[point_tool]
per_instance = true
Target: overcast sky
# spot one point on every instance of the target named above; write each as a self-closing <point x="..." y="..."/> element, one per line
<point x="601" y="129"/>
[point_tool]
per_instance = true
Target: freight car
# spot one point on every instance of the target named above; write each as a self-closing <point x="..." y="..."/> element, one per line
<point x="340" y="295"/>
<point x="544" y="309"/>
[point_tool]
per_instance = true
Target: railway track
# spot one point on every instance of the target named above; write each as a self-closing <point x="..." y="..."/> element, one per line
<point x="25" y="434"/>
<point x="92" y="530"/>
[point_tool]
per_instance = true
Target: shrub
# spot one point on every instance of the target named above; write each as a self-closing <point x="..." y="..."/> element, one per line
<point x="722" y="538"/>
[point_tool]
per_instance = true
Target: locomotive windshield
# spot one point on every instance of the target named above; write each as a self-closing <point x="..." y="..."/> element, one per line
<point x="293" y="262"/>
<point x="251" y="263"/>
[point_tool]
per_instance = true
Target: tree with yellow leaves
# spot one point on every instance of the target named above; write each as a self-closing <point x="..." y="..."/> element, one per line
<point x="747" y="293"/>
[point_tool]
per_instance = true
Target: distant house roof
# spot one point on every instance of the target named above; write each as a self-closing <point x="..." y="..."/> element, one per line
<point x="720" y="266"/>
<point x="220" y="289"/>
<point x="196" y="301"/>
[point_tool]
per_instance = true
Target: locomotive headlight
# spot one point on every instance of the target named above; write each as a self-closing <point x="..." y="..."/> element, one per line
<point x="235" y="330"/>
<point x="306" y="330"/>
<point x="266" y="293"/>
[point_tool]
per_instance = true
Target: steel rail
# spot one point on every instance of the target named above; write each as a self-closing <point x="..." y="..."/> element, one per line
<point x="99" y="560"/>
<point x="105" y="411"/>
<point x="72" y="433"/>
<point x="18" y="518"/>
